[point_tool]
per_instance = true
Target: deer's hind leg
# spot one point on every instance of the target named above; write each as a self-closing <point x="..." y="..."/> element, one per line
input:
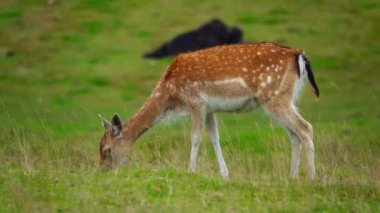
<point x="300" y="132"/>
<point x="296" y="153"/>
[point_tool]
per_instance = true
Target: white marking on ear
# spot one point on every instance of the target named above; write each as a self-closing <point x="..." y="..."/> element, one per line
<point x="117" y="125"/>
<point x="106" y="124"/>
<point x="116" y="131"/>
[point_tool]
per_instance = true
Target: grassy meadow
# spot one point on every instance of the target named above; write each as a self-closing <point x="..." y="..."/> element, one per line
<point x="64" y="62"/>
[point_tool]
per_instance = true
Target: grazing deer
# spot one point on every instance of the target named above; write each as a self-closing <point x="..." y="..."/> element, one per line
<point x="232" y="78"/>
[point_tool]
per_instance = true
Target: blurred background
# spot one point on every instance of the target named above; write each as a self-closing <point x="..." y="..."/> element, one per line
<point x="64" y="62"/>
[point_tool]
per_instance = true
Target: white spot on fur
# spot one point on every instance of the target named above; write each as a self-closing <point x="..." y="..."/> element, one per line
<point x="157" y="94"/>
<point x="244" y="69"/>
<point x="263" y="84"/>
<point x="261" y="76"/>
<point x="258" y="53"/>
<point x="269" y="79"/>
<point x="276" y="92"/>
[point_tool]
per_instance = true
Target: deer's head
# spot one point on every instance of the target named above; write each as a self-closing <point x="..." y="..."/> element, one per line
<point x="113" y="145"/>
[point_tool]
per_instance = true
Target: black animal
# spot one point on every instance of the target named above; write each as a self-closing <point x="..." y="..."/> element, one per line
<point x="211" y="34"/>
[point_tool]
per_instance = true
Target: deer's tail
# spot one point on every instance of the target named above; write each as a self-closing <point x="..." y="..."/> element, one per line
<point x="305" y="68"/>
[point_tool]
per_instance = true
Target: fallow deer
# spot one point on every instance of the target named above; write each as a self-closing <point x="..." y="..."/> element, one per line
<point x="231" y="78"/>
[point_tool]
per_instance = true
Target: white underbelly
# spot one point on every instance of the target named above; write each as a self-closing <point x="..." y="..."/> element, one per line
<point x="223" y="104"/>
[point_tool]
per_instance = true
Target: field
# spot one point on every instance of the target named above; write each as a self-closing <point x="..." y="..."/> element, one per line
<point x="64" y="62"/>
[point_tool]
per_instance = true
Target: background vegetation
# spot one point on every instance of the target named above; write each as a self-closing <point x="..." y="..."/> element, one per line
<point x="64" y="62"/>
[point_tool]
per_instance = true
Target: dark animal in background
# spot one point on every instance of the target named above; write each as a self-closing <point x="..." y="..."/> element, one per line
<point x="211" y="34"/>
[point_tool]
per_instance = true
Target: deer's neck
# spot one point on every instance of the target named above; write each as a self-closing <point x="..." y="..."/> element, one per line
<point x="147" y="116"/>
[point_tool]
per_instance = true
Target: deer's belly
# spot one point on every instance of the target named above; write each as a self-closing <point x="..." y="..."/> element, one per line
<point x="223" y="104"/>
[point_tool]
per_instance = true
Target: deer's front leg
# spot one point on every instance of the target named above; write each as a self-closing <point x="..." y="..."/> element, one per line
<point x="198" y="120"/>
<point x="212" y="126"/>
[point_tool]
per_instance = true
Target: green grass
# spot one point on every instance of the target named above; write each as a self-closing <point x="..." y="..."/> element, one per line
<point x="75" y="59"/>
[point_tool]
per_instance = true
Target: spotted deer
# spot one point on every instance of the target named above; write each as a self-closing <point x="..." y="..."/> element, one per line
<point x="231" y="78"/>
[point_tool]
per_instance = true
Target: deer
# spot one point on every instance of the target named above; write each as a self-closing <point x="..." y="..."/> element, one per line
<point x="230" y="78"/>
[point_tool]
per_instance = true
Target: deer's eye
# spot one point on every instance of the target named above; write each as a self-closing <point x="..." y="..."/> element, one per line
<point x="107" y="152"/>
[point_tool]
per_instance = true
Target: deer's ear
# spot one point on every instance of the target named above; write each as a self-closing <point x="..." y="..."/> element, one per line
<point x="117" y="125"/>
<point x="106" y="124"/>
